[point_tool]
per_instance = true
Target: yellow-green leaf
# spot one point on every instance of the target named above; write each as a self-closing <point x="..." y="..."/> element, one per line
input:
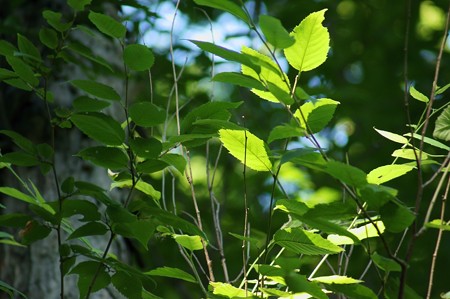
<point x="312" y="42"/>
<point x="247" y="148"/>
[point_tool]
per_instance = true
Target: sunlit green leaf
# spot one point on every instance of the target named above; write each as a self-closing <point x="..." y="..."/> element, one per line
<point x="175" y="160"/>
<point x="238" y="79"/>
<point x="138" y="57"/>
<point x="107" y="25"/>
<point x="285" y="131"/>
<point x="317" y="113"/>
<point x="269" y="74"/>
<point x="362" y="232"/>
<point x="429" y="141"/>
<point x="97" y="89"/>
<point x="386" y="173"/>
<point x="408" y="153"/>
<point x="227" y="290"/>
<point x="247" y="148"/>
<point x="439" y="224"/>
<point x="189" y="242"/>
<point x="311" y="45"/>
<point x="336" y="279"/>
<point x="226" y="5"/>
<point x="418" y="95"/>
<point x="100" y="127"/>
<point x="172" y="273"/>
<point x="13" y="192"/>
<point x="304" y="242"/>
<point x="274" y="32"/>
<point x="392" y="136"/>
<point x="442" y="126"/>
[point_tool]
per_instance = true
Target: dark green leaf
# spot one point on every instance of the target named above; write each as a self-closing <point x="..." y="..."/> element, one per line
<point x="54" y="20"/>
<point x="10" y="290"/>
<point x="87" y="209"/>
<point x="442" y="127"/>
<point x="14" y="220"/>
<point x="100" y="127"/>
<point x="177" y="161"/>
<point x="86" y="272"/>
<point x="226" y="5"/>
<point x="20" y="141"/>
<point x="20" y="159"/>
<point x="120" y="215"/>
<point x="107" y="25"/>
<point x="141" y="230"/>
<point x="304" y="242"/>
<point x="34" y="231"/>
<point x="78" y="5"/>
<point x="348" y="174"/>
<point x="274" y="32"/>
<point x="172" y="273"/>
<point x="27" y="48"/>
<point x="97" y="89"/>
<point x="317" y="113"/>
<point x="306" y="157"/>
<point x="6" y="48"/>
<point x="146" y="114"/>
<point x="22" y="69"/>
<point x="151" y="166"/>
<point x="89" y="229"/>
<point x="299" y="283"/>
<point x="87" y="104"/>
<point x="68" y="185"/>
<point x="385" y="263"/>
<point x="238" y="79"/>
<point x="353" y="291"/>
<point x="376" y="195"/>
<point x="128" y="285"/>
<point x="396" y="217"/>
<point x="146" y="148"/>
<point x="87" y="53"/>
<point x="107" y="157"/>
<point x="138" y="57"/>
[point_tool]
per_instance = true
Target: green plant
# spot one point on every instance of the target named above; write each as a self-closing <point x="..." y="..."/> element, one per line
<point x="151" y="144"/>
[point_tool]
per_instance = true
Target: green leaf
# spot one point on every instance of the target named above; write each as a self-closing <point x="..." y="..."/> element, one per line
<point x="100" y="127"/>
<point x="85" y="208"/>
<point x="97" y="89"/>
<point x="353" y="291"/>
<point x="107" y="157"/>
<point x="148" y="189"/>
<point x="27" y="48"/>
<point x="418" y="95"/>
<point x="281" y="94"/>
<point x="227" y="54"/>
<point x="392" y="136"/>
<point x="175" y="160"/>
<point x="11" y="290"/>
<point x="347" y="174"/>
<point x="146" y="114"/>
<point x="86" y="272"/>
<point x="23" y="70"/>
<point x="304" y="242"/>
<point x="376" y="196"/>
<point x="12" y="192"/>
<point x="292" y="207"/>
<point x="107" y="25"/>
<point x="86" y="52"/>
<point x="396" y="217"/>
<point x="68" y="185"/>
<point x="336" y="279"/>
<point x="20" y="141"/>
<point x="429" y="141"/>
<point x="151" y="166"/>
<point x="247" y="148"/>
<point x="78" y="5"/>
<point x="227" y="290"/>
<point x="306" y="157"/>
<point x="89" y="229"/>
<point x="146" y="148"/>
<point x="141" y="230"/>
<point x="299" y="283"/>
<point x="285" y="131"/>
<point x="128" y="285"/>
<point x="138" y="57"/>
<point x="172" y="273"/>
<point x="6" y="48"/>
<point x="408" y="153"/>
<point x="386" y="173"/>
<point x="226" y="5"/>
<point x="87" y="104"/>
<point x="274" y="32"/>
<point x="317" y="113"/>
<point x="238" y="79"/>
<point x="189" y="242"/>
<point x="269" y="74"/>
<point x="442" y="89"/>
<point x="120" y="215"/>
<point x="312" y="42"/>
<point x="34" y="231"/>
<point x="20" y="159"/>
<point x="14" y="219"/>
<point x="439" y="224"/>
<point x="384" y="263"/>
<point x="362" y="232"/>
<point x="54" y="20"/>
<point x="442" y="126"/>
<point x="208" y="111"/>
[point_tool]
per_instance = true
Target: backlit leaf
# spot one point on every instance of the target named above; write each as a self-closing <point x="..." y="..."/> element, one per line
<point x="418" y="95"/>
<point x="429" y="141"/>
<point x="392" y="136"/>
<point x="348" y="174"/>
<point x="386" y="173"/>
<point x="100" y="127"/>
<point x="285" y="131"/>
<point x="274" y="32"/>
<point x="138" y="57"/>
<point x="439" y="224"/>
<point x="304" y="242"/>
<point x="189" y="242"/>
<point x="107" y="25"/>
<point x="317" y="113"/>
<point x="238" y="79"/>
<point x="227" y="290"/>
<point x="247" y="148"/>
<point x="336" y="279"/>
<point x="172" y="273"/>
<point x="311" y="45"/>
<point x="13" y="192"/>
<point x="299" y="283"/>
<point x="362" y="232"/>
<point x="442" y="126"/>
<point x="353" y="291"/>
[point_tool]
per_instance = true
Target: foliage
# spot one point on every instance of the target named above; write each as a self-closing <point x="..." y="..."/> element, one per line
<point x="148" y="144"/>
